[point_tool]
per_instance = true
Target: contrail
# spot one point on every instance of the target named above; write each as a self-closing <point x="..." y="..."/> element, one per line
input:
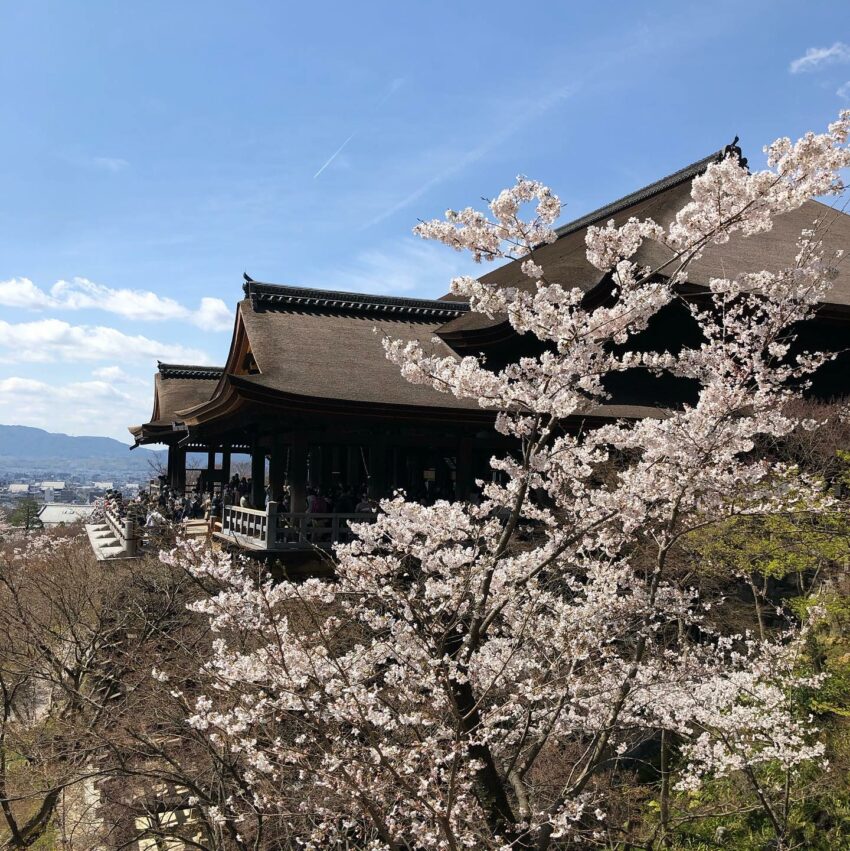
<point x="334" y="155"/>
<point x="394" y="86"/>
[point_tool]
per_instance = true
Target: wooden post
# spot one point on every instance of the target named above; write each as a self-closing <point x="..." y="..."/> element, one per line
<point x="313" y="466"/>
<point x="271" y="525"/>
<point x="225" y="466"/>
<point x="327" y="477"/>
<point x="277" y="469"/>
<point x="298" y="474"/>
<point x="210" y="482"/>
<point x="463" y="469"/>
<point x="177" y="468"/>
<point x="336" y="464"/>
<point x="377" y="471"/>
<point x="415" y="479"/>
<point x="353" y="464"/>
<point x="397" y="470"/>
<point x="258" y="477"/>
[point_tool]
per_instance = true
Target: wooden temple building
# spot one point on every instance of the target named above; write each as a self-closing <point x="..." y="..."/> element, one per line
<point x="307" y="392"/>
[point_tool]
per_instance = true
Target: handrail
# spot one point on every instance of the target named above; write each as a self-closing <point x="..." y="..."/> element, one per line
<point x="124" y="529"/>
<point x="248" y="510"/>
<point x="245" y="522"/>
<point x="271" y="530"/>
<point x="319" y="529"/>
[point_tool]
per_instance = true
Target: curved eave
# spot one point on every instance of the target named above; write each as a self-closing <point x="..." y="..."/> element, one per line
<point x="240" y="391"/>
<point x="478" y="338"/>
<point x="499" y="329"/>
<point x="154" y="433"/>
<point x="231" y="362"/>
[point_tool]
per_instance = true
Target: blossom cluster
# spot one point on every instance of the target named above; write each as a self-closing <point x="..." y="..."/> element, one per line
<point x="411" y="700"/>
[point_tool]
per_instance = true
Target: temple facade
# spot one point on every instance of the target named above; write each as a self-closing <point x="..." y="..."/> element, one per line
<point x="307" y="393"/>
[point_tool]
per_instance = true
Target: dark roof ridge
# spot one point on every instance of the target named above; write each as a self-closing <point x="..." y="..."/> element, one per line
<point x="184" y="370"/>
<point x="271" y="295"/>
<point x="652" y="189"/>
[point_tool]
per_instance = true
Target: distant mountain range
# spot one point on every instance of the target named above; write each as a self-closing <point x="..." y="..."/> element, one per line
<point x="20" y="444"/>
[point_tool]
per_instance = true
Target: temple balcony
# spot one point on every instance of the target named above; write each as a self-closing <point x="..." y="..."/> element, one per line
<point x="272" y="531"/>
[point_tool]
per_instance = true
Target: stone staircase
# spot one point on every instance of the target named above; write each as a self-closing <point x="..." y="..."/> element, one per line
<point x="114" y="538"/>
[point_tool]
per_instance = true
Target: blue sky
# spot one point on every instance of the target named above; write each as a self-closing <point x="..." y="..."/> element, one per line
<point x="154" y="151"/>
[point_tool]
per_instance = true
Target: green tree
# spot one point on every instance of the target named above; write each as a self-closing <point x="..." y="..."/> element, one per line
<point x="25" y="515"/>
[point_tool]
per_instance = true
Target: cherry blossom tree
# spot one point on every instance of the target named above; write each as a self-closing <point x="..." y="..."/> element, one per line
<point x="474" y="673"/>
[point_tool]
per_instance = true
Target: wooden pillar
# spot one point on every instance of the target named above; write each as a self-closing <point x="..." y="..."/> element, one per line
<point x="398" y="468"/>
<point x="326" y="469"/>
<point x="415" y="468"/>
<point x="277" y="469"/>
<point x="352" y="467"/>
<point x="177" y="468"/>
<point x="336" y="465"/>
<point x="258" y="477"/>
<point x="313" y="466"/>
<point x="298" y="474"/>
<point x="463" y="469"/>
<point x="442" y="483"/>
<point x="377" y="471"/>
<point x="225" y="465"/>
<point x="210" y="482"/>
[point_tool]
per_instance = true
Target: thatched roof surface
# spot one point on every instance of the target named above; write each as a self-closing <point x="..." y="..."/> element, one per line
<point x="565" y="260"/>
<point x="321" y="349"/>
<point x="310" y="351"/>
<point x="334" y="352"/>
<point x="176" y="388"/>
<point x="178" y="394"/>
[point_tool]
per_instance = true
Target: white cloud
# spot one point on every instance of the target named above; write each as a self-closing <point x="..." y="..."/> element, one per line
<point x="22" y="292"/>
<point x="844" y="91"/>
<point x="111" y="373"/>
<point x="815" y="57"/>
<point x="113" y="164"/>
<point x="52" y="339"/>
<point x="140" y="305"/>
<point x="116" y="375"/>
<point x="215" y="314"/>
<point x="83" y="407"/>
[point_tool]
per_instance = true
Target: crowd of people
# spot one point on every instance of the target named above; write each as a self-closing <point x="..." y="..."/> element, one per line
<point x="166" y="505"/>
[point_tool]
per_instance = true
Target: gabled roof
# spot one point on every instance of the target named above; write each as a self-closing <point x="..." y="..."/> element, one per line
<point x="303" y="348"/>
<point x="176" y="387"/>
<point x="683" y="175"/>
<point x="565" y="260"/>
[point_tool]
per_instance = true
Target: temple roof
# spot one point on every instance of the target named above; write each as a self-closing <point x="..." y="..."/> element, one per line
<point x="307" y="300"/>
<point x="304" y="349"/>
<point x="565" y="260"/>
<point x="176" y="387"/>
<point x="315" y="347"/>
<point x="683" y="175"/>
<point x="181" y="370"/>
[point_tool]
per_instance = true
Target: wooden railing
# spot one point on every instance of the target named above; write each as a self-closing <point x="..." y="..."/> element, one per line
<point x="245" y="522"/>
<point x="299" y="531"/>
<point x="270" y="530"/>
<point x="125" y="531"/>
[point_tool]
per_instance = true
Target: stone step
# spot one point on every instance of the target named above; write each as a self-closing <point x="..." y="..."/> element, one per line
<point x="105" y="545"/>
